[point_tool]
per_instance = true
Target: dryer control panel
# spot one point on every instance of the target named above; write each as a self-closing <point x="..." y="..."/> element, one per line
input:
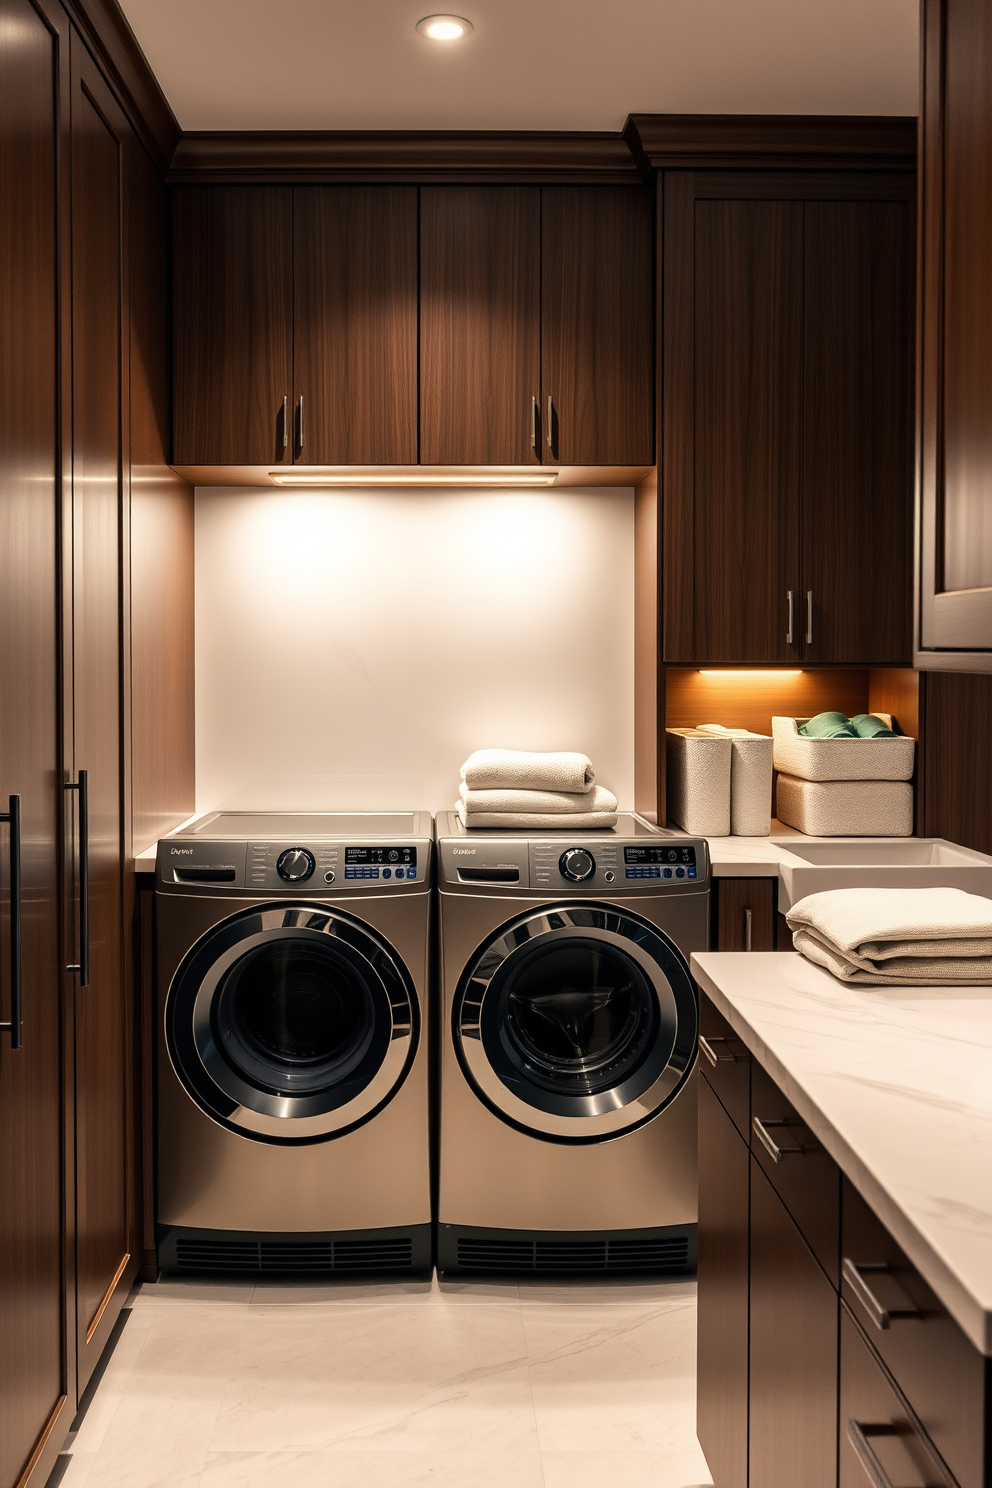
<point x="308" y="866"/>
<point x="600" y="862"/>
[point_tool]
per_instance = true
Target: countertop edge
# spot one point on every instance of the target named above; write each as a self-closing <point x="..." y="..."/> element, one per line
<point x="968" y="1312"/>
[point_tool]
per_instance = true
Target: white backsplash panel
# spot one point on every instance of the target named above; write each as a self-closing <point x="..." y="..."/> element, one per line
<point x="353" y="648"/>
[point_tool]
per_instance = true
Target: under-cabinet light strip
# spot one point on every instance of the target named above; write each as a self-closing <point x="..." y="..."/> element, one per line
<point x="495" y="481"/>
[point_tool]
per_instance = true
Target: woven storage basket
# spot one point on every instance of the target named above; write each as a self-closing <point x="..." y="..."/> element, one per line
<point x="841" y="759"/>
<point x="750" y="780"/>
<point x="845" y="808"/>
<point x="698" y="771"/>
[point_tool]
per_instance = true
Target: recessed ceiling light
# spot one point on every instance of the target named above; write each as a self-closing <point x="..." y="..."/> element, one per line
<point x="444" y="27"/>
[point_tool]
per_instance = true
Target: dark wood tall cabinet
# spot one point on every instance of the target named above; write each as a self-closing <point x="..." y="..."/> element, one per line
<point x="96" y="538"/>
<point x="787" y="416"/>
<point x="36" y="1371"/>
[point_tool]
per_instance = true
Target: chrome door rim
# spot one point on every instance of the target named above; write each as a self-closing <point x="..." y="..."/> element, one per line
<point x="601" y="1116"/>
<point x="215" y="1085"/>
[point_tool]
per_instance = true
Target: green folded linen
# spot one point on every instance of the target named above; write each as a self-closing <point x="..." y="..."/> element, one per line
<point x="870" y="726"/>
<point x="828" y="726"/>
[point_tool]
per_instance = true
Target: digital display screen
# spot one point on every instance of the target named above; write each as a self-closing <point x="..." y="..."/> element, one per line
<point x="663" y="856"/>
<point x="383" y="857"/>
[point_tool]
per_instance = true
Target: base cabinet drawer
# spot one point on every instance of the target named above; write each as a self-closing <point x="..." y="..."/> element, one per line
<point x="725" y="1062"/>
<point x="804" y="1176"/>
<point x="793" y="1353"/>
<point x="881" y="1444"/>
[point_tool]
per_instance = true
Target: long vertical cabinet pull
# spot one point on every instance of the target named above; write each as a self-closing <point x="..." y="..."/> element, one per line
<point x="285" y="421"/>
<point x="748" y="930"/>
<point x="550" y="433"/>
<point x="83" y="964"/>
<point x="299" y="425"/>
<point x="791" y="596"/>
<point x="809" y="617"/>
<point x="13" y="818"/>
<point x="533" y="423"/>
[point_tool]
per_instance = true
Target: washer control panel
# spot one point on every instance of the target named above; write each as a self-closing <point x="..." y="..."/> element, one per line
<point x="292" y="867"/>
<point x="600" y="863"/>
<point x="660" y="862"/>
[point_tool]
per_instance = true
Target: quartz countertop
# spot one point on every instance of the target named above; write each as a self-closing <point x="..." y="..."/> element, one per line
<point x="897" y="1085"/>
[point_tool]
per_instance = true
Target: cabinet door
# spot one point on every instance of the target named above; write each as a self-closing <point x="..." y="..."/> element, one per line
<point x="102" y="1012"/>
<point x="33" y="1377"/>
<point x="857" y="475"/>
<point x="597" y="318"/>
<point x="355" y="325"/>
<point x="233" y="337"/>
<point x="722" y="1307"/>
<point x="732" y="403"/>
<point x="480" y="336"/>
<point x="745" y="914"/>
<point x="793" y="1353"/>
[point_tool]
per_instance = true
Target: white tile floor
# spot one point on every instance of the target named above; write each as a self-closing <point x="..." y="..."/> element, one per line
<point x="459" y="1385"/>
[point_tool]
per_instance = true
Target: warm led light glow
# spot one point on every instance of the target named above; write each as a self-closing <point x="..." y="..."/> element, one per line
<point x="495" y="481"/>
<point x="444" y="27"/>
<point x="766" y="676"/>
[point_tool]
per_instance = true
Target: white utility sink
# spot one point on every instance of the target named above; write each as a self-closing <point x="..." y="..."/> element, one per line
<point x="807" y="867"/>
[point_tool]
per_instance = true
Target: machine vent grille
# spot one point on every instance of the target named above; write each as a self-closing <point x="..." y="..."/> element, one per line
<point x="295" y="1257"/>
<point x="649" y="1254"/>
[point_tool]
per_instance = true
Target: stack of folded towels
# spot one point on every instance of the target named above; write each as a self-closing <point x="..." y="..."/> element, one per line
<point x="513" y="788"/>
<point x="897" y="937"/>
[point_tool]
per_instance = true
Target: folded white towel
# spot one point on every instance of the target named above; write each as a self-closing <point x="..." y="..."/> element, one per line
<point x="517" y="769"/>
<point x="893" y="937"/>
<point x="539" y="802"/>
<point x="539" y="821"/>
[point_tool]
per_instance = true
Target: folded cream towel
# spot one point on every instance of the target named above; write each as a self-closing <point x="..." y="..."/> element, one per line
<point x="537" y="802"/>
<point x="517" y="769"/>
<point x="893" y="937"/>
<point x="540" y="821"/>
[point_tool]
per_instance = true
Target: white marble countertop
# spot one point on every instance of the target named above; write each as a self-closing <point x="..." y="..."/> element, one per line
<point x="897" y="1085"/>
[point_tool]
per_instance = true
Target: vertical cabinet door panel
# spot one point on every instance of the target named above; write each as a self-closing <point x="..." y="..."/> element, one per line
<point x="98" y="392"/>
<point x="793" y="1352"/>
<point x="746" y="914"/>
<point x="857" y="477"/>
<point x="355" y="324"/>
<point x="722" y="1313"/>
<point x="732" y="413"/>
<point x="597" y="313"/>
<point x="233" y="339"/>
<point x="480" y="327"/>
<point x="33" y="1382"/>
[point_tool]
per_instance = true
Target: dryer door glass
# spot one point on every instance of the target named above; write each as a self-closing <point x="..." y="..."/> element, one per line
<point x="291" y="1023"/>
<point x="577" y="1022"/>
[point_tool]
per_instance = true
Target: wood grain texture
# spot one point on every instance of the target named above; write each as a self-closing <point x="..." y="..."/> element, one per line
<point x="233" y="324"/>
<point x="954" y="757"/>
<point x="480" y="337"/>
<point x="161" y="536"/>
<point x="793" y="1352"/>
<point x="101" y="143"/>
<point x="34" y="62"/>
<point x="383" y="156"/>
<point x="896" y="690"/>
<point x="355" y="324"/>
<point x="760" y="141"/>
<point x="750" y="700"/>
<point x="937" y="1368"/>
<point x="729" y="1078"/>
<point x="735" y="899"/>
<point x="857" y="440"/>
<point x="956" y="310"/>
<point x="597" y="315"/>
<point x="722" y="1296"/>
<point x="808" y="1183"/>
<point x="649" y="784"/>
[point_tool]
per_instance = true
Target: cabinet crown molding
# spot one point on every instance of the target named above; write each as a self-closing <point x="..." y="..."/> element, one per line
<point x="106" y="31"/>
<point x="769" y="141"/>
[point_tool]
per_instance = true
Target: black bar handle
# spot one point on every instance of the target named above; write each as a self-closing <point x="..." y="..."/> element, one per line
<point x="13" y="817"/>
<point x="83" y="965"/>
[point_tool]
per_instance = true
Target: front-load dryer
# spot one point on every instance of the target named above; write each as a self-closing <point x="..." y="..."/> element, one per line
<point x="568" y="1039"/>
<point x="292" y="1102"/>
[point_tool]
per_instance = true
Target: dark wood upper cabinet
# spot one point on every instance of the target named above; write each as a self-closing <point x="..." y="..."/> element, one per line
<point x="36" y="1393"/>
<point x="480" y="306"/>
<point x="956" y="333"/>
<point x="597" y="317"/>
<point x="233" y="307"/>
<point x="355" y="325"/>
<point x="787" y="417"/>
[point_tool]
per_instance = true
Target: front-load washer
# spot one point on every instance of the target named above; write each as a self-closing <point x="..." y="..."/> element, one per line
<point x="292" y="1101"/>
<point x="568" y="1038"/>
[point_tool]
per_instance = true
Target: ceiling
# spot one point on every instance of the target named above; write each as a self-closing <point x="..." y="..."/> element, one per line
<point x="529" y="64"/>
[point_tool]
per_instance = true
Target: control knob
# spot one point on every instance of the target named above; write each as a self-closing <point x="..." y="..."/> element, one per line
<point x="295" y="865"/>
<point x="577" y="864"/>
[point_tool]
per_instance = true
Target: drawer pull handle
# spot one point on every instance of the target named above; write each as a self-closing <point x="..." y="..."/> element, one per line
<point x="716" y="1056"/>
<point x="858" y="1434"/>
<point x="880" y="1315"/>
<point x="775" y="1152"/>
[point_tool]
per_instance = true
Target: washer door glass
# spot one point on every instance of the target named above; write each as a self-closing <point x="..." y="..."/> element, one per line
<point x="577" y="1023"/>
<point x="292" y="1023"/>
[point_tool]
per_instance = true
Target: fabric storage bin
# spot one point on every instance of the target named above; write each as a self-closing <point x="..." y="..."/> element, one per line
<point x="698" y="774"/>
<point x="845" y="808"/>
<point x="750" y="779"/>
<point x="841" y="759"/>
